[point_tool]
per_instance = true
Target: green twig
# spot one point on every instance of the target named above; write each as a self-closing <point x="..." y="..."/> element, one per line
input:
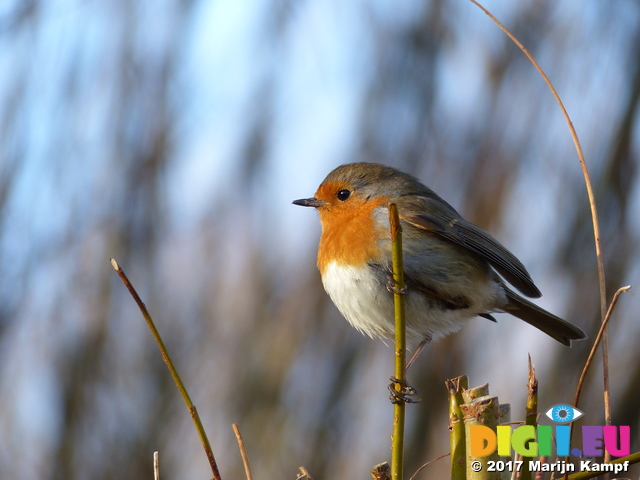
<point x="484" y="411"/>
<point x="457" y="442"/>
<point x="531" y="416"/>
<point x="172" y="369"/>
<point x="397" y="442"/>
<point x="469" y="394"/>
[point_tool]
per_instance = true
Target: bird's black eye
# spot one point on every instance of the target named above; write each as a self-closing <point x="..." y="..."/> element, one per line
<point x="343" y="195"/>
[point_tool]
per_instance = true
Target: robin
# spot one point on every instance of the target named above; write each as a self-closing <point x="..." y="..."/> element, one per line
<point x="454" y="270"/>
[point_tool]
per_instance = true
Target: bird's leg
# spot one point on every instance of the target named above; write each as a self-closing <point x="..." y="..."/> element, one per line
<point x="415" y="354"/>
<point x="406" y="390"/>
<point x="405" y="393"/>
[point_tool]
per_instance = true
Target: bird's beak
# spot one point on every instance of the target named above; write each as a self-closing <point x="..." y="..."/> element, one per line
<point x="309" y="202"/>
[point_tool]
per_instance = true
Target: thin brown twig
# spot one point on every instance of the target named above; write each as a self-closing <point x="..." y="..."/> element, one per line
<point x="574" y="136"/>
<point x="427" y="464"/>
<point x="599" y="337"/>
<point x="594" y="217"/>
<point x="607" y="317"/>
<point x="243" y="452"/>
<point x="174" y="373"/>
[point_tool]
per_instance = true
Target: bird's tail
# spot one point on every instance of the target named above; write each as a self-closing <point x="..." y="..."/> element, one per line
<point x="553" y="326"/>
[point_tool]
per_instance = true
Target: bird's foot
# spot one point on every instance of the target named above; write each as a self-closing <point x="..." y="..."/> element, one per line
<point x="391" y="286"/>
<point x="404" y="394"/>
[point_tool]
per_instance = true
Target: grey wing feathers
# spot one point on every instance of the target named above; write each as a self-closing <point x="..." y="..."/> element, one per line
<point x="443" y="220"/>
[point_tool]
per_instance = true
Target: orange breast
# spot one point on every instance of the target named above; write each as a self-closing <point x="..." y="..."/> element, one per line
<point x="349" y="233"/>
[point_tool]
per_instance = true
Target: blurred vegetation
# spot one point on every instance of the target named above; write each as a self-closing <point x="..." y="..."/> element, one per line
<point x="172" y="136"/>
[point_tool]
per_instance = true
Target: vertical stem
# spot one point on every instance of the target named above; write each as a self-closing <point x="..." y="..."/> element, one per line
<point x="531" y="416"/>
<point x="457" y="441"/>
<point x="397" y="442"/>
<point x="607" y="391"/>
<point x="484" y="410"/>
<point x="594" y="218"/>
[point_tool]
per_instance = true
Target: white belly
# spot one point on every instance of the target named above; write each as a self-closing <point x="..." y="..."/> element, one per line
<point x="364" y="300"/>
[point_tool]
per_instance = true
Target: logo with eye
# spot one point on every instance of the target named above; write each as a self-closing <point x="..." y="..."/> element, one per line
<point x="563" y="413"/>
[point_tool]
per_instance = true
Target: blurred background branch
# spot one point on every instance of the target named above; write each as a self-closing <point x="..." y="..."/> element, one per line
<point x="173" y="135"/>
